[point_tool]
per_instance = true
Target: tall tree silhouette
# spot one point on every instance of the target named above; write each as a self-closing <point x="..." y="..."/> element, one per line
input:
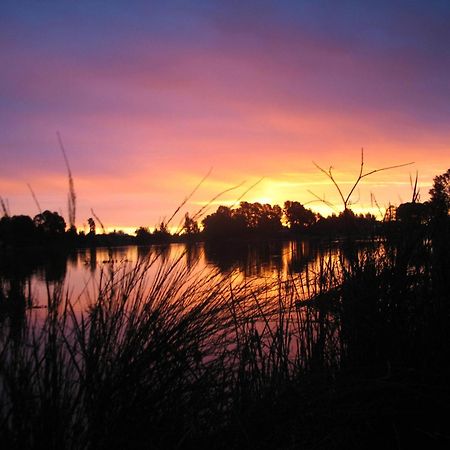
<point x="440" y="194"/>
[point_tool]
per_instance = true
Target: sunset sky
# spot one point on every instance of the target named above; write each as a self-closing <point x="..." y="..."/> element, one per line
<point x="149" y="96"/>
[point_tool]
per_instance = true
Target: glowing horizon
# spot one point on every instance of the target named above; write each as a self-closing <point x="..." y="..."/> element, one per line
<point x="149" y="97"/>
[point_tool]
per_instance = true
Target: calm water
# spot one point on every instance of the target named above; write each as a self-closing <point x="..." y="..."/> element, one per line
<point x="255" y="270"/>
<point x="79" y="272"/>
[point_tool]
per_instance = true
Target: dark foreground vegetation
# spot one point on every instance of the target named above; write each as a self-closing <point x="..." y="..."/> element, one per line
<point x="352" y="353"/>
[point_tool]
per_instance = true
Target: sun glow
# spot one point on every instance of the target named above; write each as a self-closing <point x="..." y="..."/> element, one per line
<point x="263" y="200"/>
<point x="141" y="135"/>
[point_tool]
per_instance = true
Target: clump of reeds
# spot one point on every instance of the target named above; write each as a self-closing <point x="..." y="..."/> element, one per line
<point x="130" y="369"/>
<point x="167" y="357"/>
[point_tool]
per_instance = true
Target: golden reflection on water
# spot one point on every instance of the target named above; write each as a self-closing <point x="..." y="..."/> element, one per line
<point x="262" y="263"/>
<point x="280" y="275"/>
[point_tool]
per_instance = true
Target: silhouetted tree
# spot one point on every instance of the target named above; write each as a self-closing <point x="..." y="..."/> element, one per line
<point x="222" y="223"/>
<point x="440" y="194"/>
<point x="413" y="213"/>
<point x="50" y="224"/>
<point x="17" y="230"/>
<point x="190" y="226"/>
<point x="161" y="233"/>
<point x="297" y="215"/>
<point x="250" y="214"/>
<point x="269" y="220"/>
<point x="91" y="224"/>
<point x="257" y="217"/>
<point x="248" y="218"/>
<point x="143" y="235"/>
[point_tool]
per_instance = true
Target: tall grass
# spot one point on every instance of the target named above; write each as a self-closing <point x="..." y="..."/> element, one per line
<point x="166" y="357"/>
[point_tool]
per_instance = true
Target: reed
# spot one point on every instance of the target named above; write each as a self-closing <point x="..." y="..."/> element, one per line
<point x="167" y="357"/>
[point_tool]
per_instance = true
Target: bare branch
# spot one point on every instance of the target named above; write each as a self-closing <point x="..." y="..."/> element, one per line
<point x="353" y="202"/>
<point x="330" y="176"/>
<point x="322" y="200"/>
<point x="361" y="175"/>
<point x="362" y="163"/>
<point x="386" y="168"/>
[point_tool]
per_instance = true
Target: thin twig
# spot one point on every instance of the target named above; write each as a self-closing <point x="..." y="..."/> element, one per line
<point x="346" y="200"/>
<point x="330" y="176"/>
<point x="326" y="202"/>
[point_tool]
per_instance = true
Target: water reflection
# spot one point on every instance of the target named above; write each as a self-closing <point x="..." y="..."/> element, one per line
<point x="26" y="275"/>
<point x="262" y="259"/>
<point x="25" y="279"/>
<point x="28" y="279"/>
<point x="49" y="266"/>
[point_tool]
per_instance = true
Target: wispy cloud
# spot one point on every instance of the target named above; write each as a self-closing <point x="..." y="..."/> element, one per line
<point x="149" y="95"/>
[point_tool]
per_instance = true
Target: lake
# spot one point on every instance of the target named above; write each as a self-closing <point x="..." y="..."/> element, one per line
<point x="201" y="331"/>
<point x="79" y="271"/>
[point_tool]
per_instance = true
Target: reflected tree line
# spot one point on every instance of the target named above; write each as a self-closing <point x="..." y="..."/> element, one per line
<point x="261" y="259"/>
<point x="20" y="268"/>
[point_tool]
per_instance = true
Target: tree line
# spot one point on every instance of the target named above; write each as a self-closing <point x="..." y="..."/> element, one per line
<point x="245" y="221"/>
